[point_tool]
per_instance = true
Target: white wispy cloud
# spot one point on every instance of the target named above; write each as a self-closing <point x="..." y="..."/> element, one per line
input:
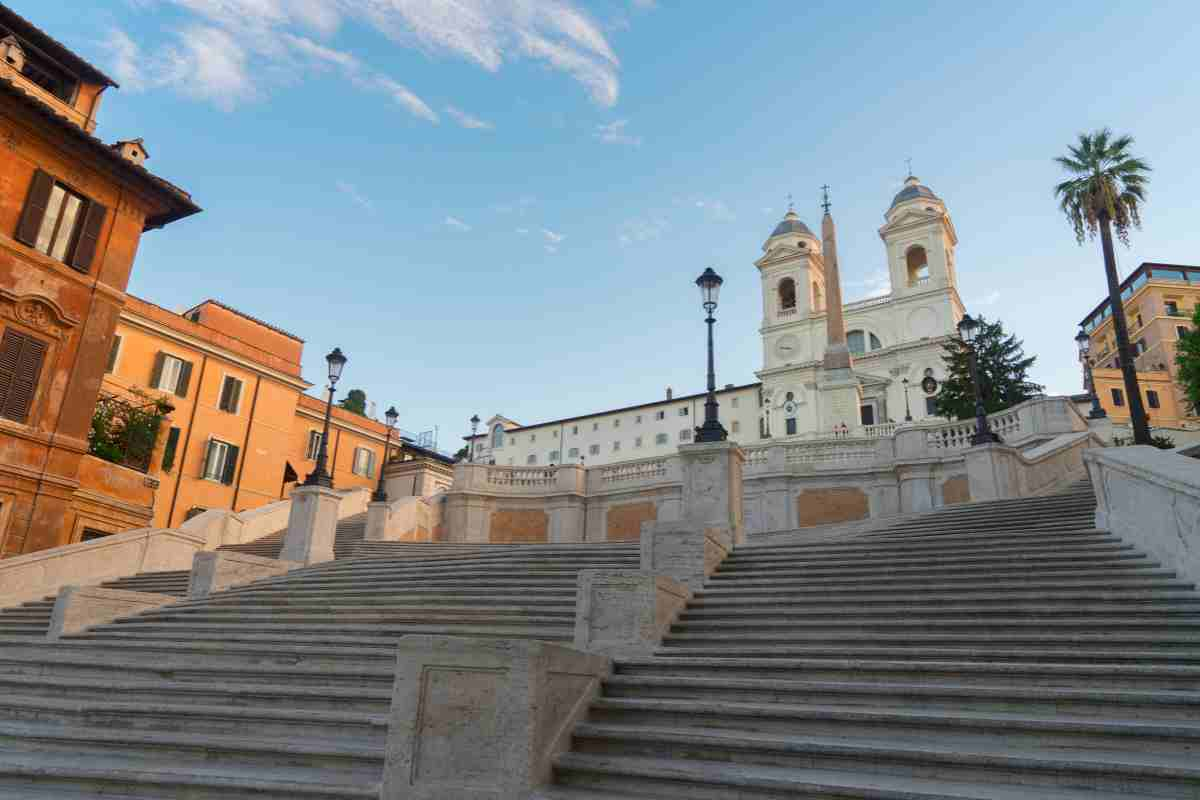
<point x="716" y="210"/>
<point x="356" y="196"/>
<point x="642" y="230"/>
<point x="467" y="120"/>
<point x="457" y="224"/>
<point x="231" y="51"/>
<point x="552" y="237"/>
<point x="614" y="133"/>
<point x="523" y="231"/>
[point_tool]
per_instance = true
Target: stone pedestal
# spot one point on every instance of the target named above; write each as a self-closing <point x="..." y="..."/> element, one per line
<point x="684" y="552"/>
<point x="480" y="719"/>
<point x="216" y="571"/>
<point x="840" y="401"/>
<point x="78" y="608"/>
<point x="312" y="525"/>
<point x="712" y="486"/>
<point x="991" y="471"/>
<point x="625" y="612"/>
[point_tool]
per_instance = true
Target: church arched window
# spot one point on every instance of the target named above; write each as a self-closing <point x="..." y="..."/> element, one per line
<point x="917" y="262"/>
<point x="787" y="294"/>
<point x="498" y="436"/>
<point x="875" y="343"/>
<point x="857" y="341"/>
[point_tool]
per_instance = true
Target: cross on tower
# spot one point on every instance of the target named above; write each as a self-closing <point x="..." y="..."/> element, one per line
<point x="908" y="161"/>
<point x="790" y="206"/>
<point x="825" y="198"/>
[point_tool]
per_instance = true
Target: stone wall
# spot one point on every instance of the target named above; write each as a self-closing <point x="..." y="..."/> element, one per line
<point x="826" y="506"/>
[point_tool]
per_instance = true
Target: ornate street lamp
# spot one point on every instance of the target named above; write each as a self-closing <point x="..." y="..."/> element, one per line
<point x="1085" y="347"/>
<point x="710" y="288"/>
<point x="967" y="329"/>
<point x="320" y="475"/>
<point x="907" y="412"/>
<point x="471" y="448"/>
<point x="380" y="493"/>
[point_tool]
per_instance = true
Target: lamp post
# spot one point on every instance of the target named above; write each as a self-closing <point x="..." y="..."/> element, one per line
<point x="907" y="412"/>
<point x="380" y="493"/>
<point x="320" y="475"/>
<point x="471" y="447"/>
<point x="1085" y="346"/>
<point x="967" y="329"/>
<point x="710" y="288"/>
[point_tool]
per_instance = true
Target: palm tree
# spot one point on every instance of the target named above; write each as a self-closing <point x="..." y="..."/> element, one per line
<point x="1106" y="191"/>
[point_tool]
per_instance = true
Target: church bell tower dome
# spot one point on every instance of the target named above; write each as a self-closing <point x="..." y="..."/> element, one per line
<point x="914" y="190"/>
<point x="791" y="230"/>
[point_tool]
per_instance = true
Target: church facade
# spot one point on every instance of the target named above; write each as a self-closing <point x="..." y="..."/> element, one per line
<point x="828" y="369"/>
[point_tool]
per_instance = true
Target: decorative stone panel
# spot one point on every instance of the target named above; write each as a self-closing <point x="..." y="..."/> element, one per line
<point x="956" y="490"/>
<point x="624" y="522"/>
<point x="525" y="526"/>
<point x="836" y="504"/>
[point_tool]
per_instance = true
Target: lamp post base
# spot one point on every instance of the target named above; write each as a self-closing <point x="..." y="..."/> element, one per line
<point x="318" y="478"/>
<point x="711" y="431"/>
<point x="987" y="437"/>
<point x="1099" y="413"/>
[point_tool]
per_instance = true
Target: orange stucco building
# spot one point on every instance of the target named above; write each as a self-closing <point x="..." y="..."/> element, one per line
<point x="72" y="211"/>
<point x="1159" y="302"/>
<point x="242" y="431"/>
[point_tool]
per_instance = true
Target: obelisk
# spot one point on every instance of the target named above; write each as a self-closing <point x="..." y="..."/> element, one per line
<point x="839" y="390"/>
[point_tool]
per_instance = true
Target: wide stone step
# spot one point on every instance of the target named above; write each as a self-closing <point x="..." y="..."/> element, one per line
<point x="170" y="765"/>
<point x="210" y="652"/>
<point x="1056" y="624"/>
<point x="965" y="567"/>
<point x="942" y="727"/>
<point x="964" y="671"/>
<point x="1021" y="649"/>
<point x="359" y="614"/>
<point x="1170" y="775"/>
<point x="985" y="606"/>
<point x="867" y="547"/>
<point x="992" y="591"/>
<point x="147" y="688"/>
<point x="1143" y="578"/>
<point x="364" y="636"/>
<point x="177" y="718"/>
<point x="556" y="598"/>
<point x="741" y="560"/>
<point x="588" y="776"/>
<point x="1040" y="701"/>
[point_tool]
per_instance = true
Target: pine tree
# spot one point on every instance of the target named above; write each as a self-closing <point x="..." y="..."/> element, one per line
<point x="1187" y="356"/>
<point x="1003" y="373"/>
<point x="356" y="401"/>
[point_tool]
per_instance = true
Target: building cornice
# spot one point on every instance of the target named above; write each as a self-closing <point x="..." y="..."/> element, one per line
<point x="208" y="349"/>
<point x="335" y="422"/>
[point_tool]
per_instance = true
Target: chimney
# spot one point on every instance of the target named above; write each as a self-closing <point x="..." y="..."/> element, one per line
<point x="728" y="386"/>
<point x="133" y="150"/>
<point x="670" y="394"/>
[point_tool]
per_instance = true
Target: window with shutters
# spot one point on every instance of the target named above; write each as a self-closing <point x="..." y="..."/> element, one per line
<point x="1118" y="397"/>
<point x="61" y="223"/>
<point x="364" y="462"/>
<point x="594" y="449"/>
<point x="171" y="374"/>
<point x="660" y="438"/>
<point x="231" y="395"/>
<point x="168" y="457"/>
<point x="21" y="358"/>
<point x="685" y="435"/>
<point x="113" y="353"/>
<point x="573" y="452"/>
<point x="314" y="445"/>
<point x="220" y="462"/>
<point x="1152" y="398"/>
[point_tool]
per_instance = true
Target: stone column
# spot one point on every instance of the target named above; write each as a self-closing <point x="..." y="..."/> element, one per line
<point x="312" y="525"/>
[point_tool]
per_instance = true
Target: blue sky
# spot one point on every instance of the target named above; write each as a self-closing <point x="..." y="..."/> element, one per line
<point x="502" y="209"/>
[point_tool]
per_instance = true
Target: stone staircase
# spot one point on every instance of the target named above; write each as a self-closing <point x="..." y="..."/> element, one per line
<point x="32" y="619"/>
<point x="277" y="689"/>
<point x="991" y="651"/>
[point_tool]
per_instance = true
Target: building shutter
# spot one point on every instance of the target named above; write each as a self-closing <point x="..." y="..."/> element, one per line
<point x="185" y="375"/>
<point x="168" y="459"/>
<point x="21" y="359"/>
<point x="156" y="375"/>
<point x="226" y="390"/>
<point x="89" y="236"/>
<point x="112" y="354"/>
<point x="231" y="462"/>
<point x="35" y="208"/>
<point x="370" y="463"/>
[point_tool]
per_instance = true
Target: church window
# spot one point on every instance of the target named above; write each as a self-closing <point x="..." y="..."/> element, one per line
<point x="787" y="294"/>
<point x="875" y="343"/>
<point x="498" y="436"/>
<point x="660" y="438"/>
<point x="856" y="342"/>
<point x="790" y="426"/>
<point x="917" y="263"/>
<point x="532" y="459"/>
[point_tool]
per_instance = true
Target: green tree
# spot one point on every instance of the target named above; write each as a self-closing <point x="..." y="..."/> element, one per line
<point x="356" y="401"/>
<point x="1003" y="373"/>
<point x="1107" y="190"/>
<point x="1187" y="356"/>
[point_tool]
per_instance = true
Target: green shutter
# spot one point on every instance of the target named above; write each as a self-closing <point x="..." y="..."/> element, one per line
<point x="231" y="464"/>
<point x="185" y="376"/>
<point x="89" y="236"/>
<point x="112" y="354"/>
<point x="35" y="208"/>
<point x="21" y="359"/>
<point x="156" y="375"/>
<point x="226" y="385"/>
<point x="168" y="459"/>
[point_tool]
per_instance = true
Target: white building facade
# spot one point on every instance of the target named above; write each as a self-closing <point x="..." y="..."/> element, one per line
<point x="891" y="338"/>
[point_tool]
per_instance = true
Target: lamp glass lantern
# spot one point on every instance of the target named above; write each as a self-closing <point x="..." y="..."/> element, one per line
<point x="336" y="361"/>
<point x="710" y="288"/>
<point x="968" y="327"/>
<point x="1084" y="342"/>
